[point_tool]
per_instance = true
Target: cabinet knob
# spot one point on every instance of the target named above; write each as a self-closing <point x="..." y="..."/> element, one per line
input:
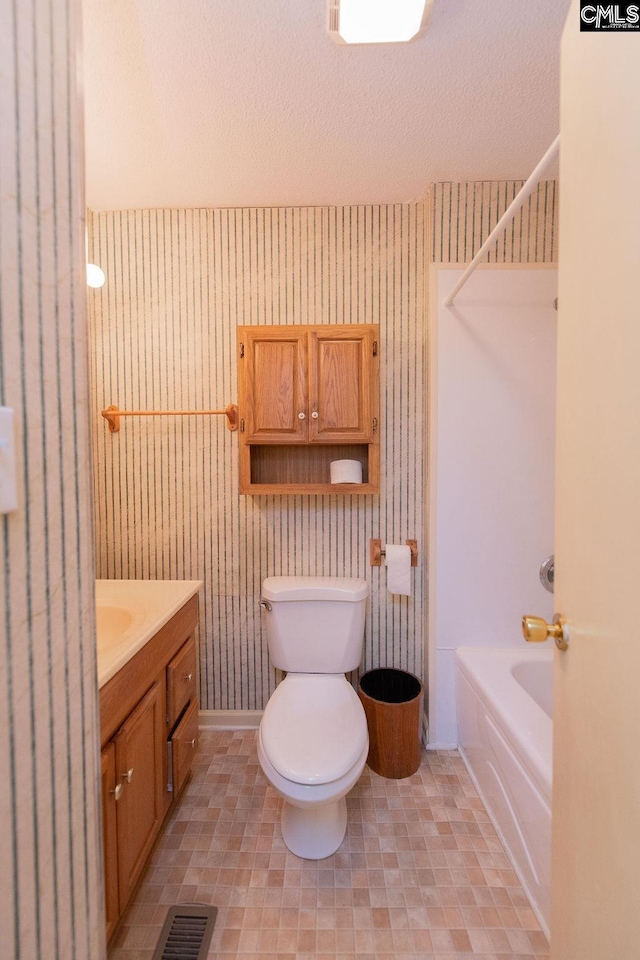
<point x="193" y="742"/>
<point x="315" y="414"/>
<point x="117" y="793"/>
<point x="128" y="775"/>
<point x="188" y="677"/>
<point x="301" y="416"/>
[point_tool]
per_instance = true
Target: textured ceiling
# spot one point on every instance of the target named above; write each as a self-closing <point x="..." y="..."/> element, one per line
<point x="249" y="102"/>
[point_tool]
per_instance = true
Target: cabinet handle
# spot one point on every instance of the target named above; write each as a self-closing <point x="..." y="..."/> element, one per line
<point x="315" y="414"/>
<point x="188" y="677"/>
<point x="117" y="793"/>
<point x="128" y="775"/>
<point x="193" y="742"/>
<point x="301" y="416"/>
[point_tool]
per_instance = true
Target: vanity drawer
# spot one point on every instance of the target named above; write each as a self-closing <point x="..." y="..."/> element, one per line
<point x="181" y="680"/>
<point x="182" y="747"/>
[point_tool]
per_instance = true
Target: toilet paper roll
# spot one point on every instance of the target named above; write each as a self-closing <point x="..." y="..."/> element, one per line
<point x="346" y="471"/>
<point x="398" y="562"/>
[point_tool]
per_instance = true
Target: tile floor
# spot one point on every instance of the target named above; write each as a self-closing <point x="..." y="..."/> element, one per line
<point x="421" y="873"/>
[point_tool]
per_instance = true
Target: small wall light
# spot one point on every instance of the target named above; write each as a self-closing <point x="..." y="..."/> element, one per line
<point x="95" y="276"/>
<point x="377" y="21"/>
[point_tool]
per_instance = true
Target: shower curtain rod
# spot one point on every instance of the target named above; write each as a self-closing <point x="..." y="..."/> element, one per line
<point x="508" y="215"/>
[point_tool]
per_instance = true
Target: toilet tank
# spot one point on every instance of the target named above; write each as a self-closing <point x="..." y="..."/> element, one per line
<point x="315" y="624"/>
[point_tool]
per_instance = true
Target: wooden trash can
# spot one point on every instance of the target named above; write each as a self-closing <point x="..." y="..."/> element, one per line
<point x="392" y="701"/>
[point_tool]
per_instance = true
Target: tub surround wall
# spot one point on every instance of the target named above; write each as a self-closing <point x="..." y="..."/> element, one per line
<point x="163" y="335"/>
<point x="493" y="455"/>
<point x="50" y="844"/>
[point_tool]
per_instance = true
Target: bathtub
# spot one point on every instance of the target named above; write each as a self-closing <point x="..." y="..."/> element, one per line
<point x="504" y="703"/>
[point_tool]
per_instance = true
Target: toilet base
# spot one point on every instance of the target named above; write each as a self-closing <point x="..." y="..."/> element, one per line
<point x="314" y="833"/>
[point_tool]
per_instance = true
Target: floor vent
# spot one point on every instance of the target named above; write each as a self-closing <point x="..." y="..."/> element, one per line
<point x="186" y="933"/>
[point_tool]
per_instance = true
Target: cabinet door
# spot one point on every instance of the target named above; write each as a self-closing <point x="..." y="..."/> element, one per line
<point x="181" y="680"/>
<point x="109" y="836"/>
<point x="342" y="371"/>
<point x="183" y="746"/>
<point x="139" y="746"/>
<point x="273" y="384"/>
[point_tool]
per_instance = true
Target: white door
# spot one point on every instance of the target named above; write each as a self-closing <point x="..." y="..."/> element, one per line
<point x="596" y="830"/>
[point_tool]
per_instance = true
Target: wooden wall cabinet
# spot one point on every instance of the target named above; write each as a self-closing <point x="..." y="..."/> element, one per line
<point x="149" y="732"/>
<point x="308" y="395"/>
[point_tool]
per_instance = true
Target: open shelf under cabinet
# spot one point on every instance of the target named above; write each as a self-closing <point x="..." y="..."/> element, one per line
<point x="305" y="468"/>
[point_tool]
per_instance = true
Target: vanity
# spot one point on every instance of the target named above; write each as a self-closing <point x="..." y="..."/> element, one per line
<point x="147" y="667"/>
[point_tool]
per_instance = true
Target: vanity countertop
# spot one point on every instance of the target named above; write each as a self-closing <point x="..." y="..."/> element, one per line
<point x="130" y="612"/>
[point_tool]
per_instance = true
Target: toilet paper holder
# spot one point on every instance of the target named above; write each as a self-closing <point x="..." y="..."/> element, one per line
<point x="376" y="553"/>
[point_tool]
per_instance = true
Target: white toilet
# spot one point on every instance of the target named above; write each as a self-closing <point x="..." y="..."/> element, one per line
<point x="313" y="741"/>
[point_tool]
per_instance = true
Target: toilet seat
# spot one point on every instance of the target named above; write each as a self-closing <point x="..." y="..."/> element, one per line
<point x="314" y="729"/>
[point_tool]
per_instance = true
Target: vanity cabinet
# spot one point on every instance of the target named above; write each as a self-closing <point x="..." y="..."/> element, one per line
<point x="149" y="733"/>
<point x="307" y="395"/>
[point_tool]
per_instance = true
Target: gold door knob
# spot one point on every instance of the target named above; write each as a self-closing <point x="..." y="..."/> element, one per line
<point x="537" y="630"/>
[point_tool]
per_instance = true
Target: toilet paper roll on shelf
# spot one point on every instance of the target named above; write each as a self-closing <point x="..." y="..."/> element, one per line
<point x="346" y="471"/>
<point x="398" y="564"/>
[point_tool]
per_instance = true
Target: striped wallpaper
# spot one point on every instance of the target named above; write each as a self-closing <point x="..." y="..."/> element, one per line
<point x="464" y="214"/>
<point x="50" y="846"/>
<point x="163" y="335"/>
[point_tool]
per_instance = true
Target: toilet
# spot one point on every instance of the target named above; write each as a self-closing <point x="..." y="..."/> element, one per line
<point x="313" y="740"/>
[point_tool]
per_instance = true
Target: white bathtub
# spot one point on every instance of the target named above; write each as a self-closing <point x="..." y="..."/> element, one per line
<point x="504" y="703"/>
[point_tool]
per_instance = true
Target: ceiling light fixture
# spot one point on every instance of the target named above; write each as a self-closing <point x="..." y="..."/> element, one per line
<point x="95" y="275"/>
<point x="377" y="21"/>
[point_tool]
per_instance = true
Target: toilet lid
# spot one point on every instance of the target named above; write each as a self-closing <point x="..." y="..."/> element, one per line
<point x="313" y="729"/>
